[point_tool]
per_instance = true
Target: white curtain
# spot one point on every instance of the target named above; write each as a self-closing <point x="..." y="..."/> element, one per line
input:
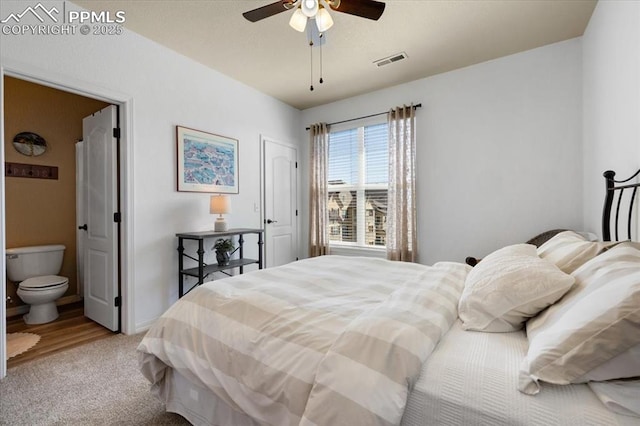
<point x="318" y="193"/>
<point x="401" y="211"/>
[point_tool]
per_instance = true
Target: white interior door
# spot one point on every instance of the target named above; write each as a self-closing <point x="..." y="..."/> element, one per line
<point x="280" y="199"/>
<point x="101" y="205"/>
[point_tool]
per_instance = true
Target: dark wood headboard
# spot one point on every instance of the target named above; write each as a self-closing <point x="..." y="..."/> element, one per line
<point x="626" y="203"/>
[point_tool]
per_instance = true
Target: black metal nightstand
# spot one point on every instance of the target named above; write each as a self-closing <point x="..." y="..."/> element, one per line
<point x="203" y="270"/>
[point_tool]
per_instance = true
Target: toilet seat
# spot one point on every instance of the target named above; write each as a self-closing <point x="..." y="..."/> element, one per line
<point x="45" y="282"/>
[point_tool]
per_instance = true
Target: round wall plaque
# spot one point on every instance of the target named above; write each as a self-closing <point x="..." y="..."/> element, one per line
<point x="29" y="143"/>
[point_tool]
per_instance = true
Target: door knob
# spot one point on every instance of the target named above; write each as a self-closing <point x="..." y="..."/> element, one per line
<point x="269" y="221"/>
<point x="83" y="227"/>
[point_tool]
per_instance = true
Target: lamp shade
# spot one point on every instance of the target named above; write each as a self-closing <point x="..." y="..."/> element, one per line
<point x="323" y="20"/>
<point x="219" y="204"/>
<point x="309" y="7"/>
<point x="298" y="21"/>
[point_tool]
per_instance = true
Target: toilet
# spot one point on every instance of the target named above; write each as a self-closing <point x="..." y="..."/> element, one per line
<point x="34" y="271"/>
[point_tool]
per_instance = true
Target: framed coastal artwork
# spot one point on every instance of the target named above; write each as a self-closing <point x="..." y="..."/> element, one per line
<point x="206" y="162"/>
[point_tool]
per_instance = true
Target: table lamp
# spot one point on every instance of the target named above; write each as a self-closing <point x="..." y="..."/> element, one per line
<point x="220" y="205"/>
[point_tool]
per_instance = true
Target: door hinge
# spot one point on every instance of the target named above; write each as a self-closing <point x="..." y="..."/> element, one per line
<point x="296" y="212"/>
<point x="116" y="132"/>
<point x="296" y="164"/>
<point x="117" y="217"/>
<point x="116" y="301"/>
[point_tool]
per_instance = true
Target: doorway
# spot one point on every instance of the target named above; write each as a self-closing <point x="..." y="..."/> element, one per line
<point x="76" y="87"/>
<point x="41" y="209"/>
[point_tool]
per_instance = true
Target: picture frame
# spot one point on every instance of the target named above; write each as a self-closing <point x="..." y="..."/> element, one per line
<point x="206" y="162"/>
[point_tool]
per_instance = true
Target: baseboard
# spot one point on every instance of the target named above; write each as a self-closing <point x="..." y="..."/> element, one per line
<point x="144" y="326"/>
<point x="23" y="309"/>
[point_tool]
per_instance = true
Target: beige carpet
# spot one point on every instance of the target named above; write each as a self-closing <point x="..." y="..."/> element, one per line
<point x="94" y="384"/>
<point x="18" y="343"/>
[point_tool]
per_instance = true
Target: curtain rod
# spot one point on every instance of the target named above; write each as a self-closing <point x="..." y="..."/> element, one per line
<point x="366" y="116"/>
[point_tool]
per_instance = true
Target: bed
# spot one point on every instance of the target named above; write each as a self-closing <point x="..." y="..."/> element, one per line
<point x="339" y="340"/>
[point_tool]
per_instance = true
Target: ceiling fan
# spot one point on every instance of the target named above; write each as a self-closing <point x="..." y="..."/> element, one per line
<point x="369" y="9"/>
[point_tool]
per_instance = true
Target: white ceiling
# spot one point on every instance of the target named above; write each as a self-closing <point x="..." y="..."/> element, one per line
<point x="437" y="36"/>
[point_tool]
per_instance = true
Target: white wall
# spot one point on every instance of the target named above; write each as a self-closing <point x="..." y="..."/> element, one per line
<point x="166" y="89"/>
<point x="611" y="69"/>
<point x="498" y="149"/>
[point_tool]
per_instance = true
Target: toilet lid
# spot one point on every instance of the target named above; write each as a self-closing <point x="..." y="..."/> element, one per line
<point x="43" y="282"/>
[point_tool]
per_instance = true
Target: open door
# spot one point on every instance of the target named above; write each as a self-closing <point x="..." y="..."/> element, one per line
<point x="280" y="200"/>
<point x="101" y="289"/>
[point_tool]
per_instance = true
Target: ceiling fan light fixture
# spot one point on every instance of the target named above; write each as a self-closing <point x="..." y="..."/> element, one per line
<point x="309" y="7"/>
<point x="333" y="4"/>
<point x="324" y="21"/>
<point x="298" y="20"/>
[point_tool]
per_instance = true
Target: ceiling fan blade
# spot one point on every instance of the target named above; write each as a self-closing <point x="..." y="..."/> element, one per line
<point x="369" y="9"/>
<point x="268" y="10"/>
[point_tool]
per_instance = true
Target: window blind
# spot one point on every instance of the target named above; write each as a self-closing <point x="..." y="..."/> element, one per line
<point x="376" y="150"/>
<point x="358" y="173"/>
<point x="343" y="158"/>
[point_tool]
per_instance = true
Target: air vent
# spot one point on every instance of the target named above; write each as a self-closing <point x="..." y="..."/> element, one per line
<point x="390" y="59"/>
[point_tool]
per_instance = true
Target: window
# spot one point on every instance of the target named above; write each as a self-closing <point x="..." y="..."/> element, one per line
<point x="358" y="172"/>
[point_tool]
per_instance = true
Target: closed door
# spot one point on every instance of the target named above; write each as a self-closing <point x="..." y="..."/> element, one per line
<point x="280" y="202"/>
<point x="101" y="209"/>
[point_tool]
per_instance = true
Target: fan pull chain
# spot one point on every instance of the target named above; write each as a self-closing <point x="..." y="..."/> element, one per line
<point x="321" y="81"/>
<point x="311" y="63"/>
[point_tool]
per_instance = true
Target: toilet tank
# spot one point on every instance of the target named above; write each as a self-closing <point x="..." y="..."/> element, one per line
<point x="34" y="261"/>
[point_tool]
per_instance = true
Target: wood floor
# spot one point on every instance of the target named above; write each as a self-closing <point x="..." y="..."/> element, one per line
<point x="71" y="329"/>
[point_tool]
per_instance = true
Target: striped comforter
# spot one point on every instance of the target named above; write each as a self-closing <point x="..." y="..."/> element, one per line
<point x="324" y="341"/>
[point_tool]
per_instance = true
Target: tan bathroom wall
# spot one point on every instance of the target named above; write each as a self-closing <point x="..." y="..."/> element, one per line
<point x="43" y="211"/>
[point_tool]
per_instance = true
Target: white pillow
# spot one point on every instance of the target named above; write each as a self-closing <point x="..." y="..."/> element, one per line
<point x="569" y="250"/>
<point x="508" y="287"/>
<point x="626" y="364"/>
<point x="594" y="331"/>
